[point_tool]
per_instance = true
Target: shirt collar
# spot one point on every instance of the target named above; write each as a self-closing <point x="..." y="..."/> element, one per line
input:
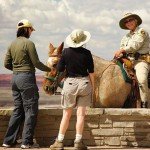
<point x="137" y="28"/>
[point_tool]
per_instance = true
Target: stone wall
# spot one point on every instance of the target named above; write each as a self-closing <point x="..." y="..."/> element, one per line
<point x="103" y="127"/>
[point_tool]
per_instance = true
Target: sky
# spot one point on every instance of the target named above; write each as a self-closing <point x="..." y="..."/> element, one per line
<point x="53" y="20"/>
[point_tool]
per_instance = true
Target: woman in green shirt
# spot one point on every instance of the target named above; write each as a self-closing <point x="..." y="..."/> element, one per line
<point x="22" y="59"/>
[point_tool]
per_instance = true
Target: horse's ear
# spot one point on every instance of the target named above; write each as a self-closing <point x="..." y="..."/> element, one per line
<point x="60" y="48"/>
<point x="51" y="49"/>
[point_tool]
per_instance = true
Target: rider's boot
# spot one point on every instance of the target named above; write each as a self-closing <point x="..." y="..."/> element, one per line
<point x="144" y="104"/>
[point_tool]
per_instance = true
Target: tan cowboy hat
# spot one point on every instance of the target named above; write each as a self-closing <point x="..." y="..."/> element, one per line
<point x="77" y="38"/>
<point x="129" y="15"/>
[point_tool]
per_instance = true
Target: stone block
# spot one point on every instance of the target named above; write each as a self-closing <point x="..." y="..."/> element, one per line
<point x="118" y="112"/>
<point x="123" y="124"/>
<point x="124" y="143"/>
<point x="140" y="112"/>
<point x="112" y="141"/>
<point x="94" y="111"/>
<point x="6" y="111"/>
<point x="91" y="124"/>
<point x="137" y="130"/>
<point x="133" y="118"/>
<point x="107" y="132"/>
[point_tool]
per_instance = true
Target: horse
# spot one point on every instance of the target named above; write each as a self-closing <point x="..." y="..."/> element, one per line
<point x="111" y="90"/>
<point x="49" y="84"/>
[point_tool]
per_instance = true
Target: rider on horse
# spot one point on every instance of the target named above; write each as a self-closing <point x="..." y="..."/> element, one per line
<point x="136" y="45"/>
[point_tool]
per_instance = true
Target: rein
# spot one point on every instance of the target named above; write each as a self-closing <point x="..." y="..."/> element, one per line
<point x="54" y="84"/>
<point x="55" y="79"/>
<point x="50" y="78"/>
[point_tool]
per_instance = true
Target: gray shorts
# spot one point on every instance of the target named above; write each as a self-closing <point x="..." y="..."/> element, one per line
<point x="76" y="92"/>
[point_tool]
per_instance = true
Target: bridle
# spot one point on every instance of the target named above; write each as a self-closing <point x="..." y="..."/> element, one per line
<point x="54" y="79"/>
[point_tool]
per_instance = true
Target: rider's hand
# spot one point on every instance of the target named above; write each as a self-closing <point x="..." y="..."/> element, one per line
<point x="119" y="52"/>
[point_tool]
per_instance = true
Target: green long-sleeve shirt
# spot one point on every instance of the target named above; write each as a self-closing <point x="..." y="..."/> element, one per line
<point x="21" y="56"/>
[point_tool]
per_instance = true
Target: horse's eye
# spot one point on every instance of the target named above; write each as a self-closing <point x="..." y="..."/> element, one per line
<point x="54" y="65"/>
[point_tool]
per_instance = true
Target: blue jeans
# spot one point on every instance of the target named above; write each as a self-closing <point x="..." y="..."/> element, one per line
<point x="26" y="95"/>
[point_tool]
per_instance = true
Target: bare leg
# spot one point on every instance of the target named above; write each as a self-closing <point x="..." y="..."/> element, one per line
<point x="78" y="144"/>
<point x="80" y="120"/>
<point x="62" y="130"/>
<point x="65" y="121"/>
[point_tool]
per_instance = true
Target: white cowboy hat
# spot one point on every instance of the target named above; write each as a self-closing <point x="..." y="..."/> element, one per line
<point x="25" y="23"/>
<point x="77" y="38"/>
<point x="129" y="15"/>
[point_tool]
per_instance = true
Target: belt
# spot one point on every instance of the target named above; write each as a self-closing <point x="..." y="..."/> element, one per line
<point x="133" y="54"/>
<point x="136" y="55"/>
<point x="21" y="72"/>
<point x="145" y="57"/>
<point x="76" y="75"/>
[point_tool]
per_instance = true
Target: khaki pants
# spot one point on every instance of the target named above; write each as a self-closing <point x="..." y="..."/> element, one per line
<point x="142" y="69"/>
<point x="76" y="92"/>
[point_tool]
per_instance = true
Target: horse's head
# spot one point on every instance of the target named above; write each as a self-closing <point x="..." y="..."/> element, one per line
<point x="49" y="85"/>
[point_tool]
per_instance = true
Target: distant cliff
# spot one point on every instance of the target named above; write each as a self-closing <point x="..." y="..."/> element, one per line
<point x="6" y="99"/>
<point x="5" y="80"/>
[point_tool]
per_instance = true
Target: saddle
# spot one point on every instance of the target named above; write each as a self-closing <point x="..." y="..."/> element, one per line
<point x="128" y="72"/>
<point x="126" y="66"/>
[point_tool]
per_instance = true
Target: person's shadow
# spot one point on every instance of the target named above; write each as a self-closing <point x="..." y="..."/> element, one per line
<point x="137" y="134"/>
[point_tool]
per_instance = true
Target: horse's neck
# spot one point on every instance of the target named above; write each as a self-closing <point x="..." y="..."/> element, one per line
<point x="101" y="64"/>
